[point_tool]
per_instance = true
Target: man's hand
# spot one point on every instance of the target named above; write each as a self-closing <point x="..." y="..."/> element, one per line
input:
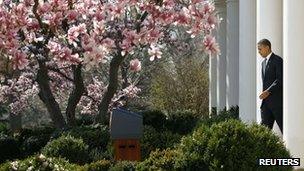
<point x="264" y="94"/>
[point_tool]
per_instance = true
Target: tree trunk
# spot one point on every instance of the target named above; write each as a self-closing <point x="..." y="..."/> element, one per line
<point x="103" y="117"/>
<point x="125" y="82"/>
<point x="75" y="95"/>
<point x="124" y="75"/>
<point x="47" y="96"/>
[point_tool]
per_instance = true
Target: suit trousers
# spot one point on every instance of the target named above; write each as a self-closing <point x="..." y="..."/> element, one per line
<point x="270" y="115"/>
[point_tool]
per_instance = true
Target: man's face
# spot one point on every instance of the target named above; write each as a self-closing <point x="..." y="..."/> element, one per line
<point x="263" y="50"/>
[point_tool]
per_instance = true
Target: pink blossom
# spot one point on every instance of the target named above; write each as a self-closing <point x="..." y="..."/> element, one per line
<point x="207" y="8"/>
<point x="99" y="16"/>
<point x="65" y="55"/>
<point x="109" y="43"/>
<point x="196" y="1"/>
<point x="72" y="15"/>
<point x="153" y="35"/>
<point x="33" y="24"/>
<point x="99" y="28"/>
<point x="211" y="47"/>
<point x="169" y="3"/>
<point x="183" y="17"/>
<point x="212" y="22"/>
<point x="19" y="60"/>
<point x="54" y="47"/>
<point x="96" y="56"/>
<point x="195" y="30"/>
<point x="154" y="52"/>
<point x="87" y="42"/>
<point x="95" y="31"/>
<point x="28" y="3"/>
<point x="135" y="65"/>
<point x="131" y="36"/>
<point x="116" y="10"/>
<point x="166" y="18"/>
<point x="54" y="19"/>
<point x="75" y="31"/>
<point x="44" y="8"/>
<point x="20" y="90"/>
<point x="126" y="47"/>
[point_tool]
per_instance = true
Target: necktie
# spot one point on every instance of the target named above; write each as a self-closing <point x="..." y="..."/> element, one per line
<point x="264" y="67"/>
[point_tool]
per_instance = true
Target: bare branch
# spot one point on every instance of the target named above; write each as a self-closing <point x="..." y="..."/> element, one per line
<point x="60" y="73"/>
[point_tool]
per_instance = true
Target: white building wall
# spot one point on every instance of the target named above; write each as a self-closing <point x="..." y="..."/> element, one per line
<point x="293" y="120"/>
<point x="232" y="76"/>
<point x="247" y="60"/>
<point x="221" y="59"/>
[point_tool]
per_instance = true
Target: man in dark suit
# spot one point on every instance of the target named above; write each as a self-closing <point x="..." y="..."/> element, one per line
<point x="272" y="95"/>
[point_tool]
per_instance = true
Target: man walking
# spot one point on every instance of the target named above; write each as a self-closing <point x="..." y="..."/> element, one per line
<point x="272" y="95"/>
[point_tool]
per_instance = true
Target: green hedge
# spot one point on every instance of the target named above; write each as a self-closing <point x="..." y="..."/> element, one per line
<point x="154" y="118"/>
<point x="124" y="166"/>
<point x="96" y="136"/>
<point x="228" y="145"/>
<point x="101" y="165"/>
<point x="32" y="140"/>
<point x="39" y="162"/>
<point x="231" y="145"/>
<point x="224" y="115"/>
<point x="153" y="139"/>
<point x="160" y="160"/>
<point x="180" y="122"/>
<point x="9" y="148"/>
<point x="3" y="128"/>
<point x="68" y="147"/>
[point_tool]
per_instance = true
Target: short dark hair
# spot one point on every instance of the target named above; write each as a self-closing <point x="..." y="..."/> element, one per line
<point x="265" y="42"/>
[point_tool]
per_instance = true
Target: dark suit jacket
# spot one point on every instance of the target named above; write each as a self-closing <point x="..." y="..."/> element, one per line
<point x="273" y="82"/>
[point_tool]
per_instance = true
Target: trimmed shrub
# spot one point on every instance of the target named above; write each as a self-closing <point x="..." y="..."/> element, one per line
<point x="224" y="115"/>
<point x="268" y="145"/>
<point x="160" y="160"/>
<point x="230" y="145"/>
<point x="9" y="148"/>
<point x="85" y="120"/>
<point x="34" y="139"/>
<point x="152" y="139"/>
<point x="3" y="128"/>
<point x="182" y="122"/>
<point x="124" y="166"/>
<point x="154" y="118"/>
<point x="68" y="147"/>
<point x="39" y="162"/>
<point x="193" y="148"/>
<point x="96" y="136"/>
<point x="101" y="165"/>
<point x="33" y="144"/>
<point x="96" y="154"/>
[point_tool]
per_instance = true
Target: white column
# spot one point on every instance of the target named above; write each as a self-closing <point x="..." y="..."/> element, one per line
<point x="293" y="120"/>
<point x="247" y="60"/>
<point x="232" y="77"/>
<point x="212" y="83"/>
<point x="221" y="59"/>
<point x="269" y="26"/>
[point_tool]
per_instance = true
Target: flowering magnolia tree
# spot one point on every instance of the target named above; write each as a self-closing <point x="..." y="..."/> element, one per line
<point x="49" y="45"/>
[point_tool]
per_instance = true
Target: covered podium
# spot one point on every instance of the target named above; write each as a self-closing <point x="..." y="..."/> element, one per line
<point x="126" y="130"/>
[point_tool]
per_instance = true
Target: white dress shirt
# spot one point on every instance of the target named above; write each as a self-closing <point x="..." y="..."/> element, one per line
<point x="267" y="58"/>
